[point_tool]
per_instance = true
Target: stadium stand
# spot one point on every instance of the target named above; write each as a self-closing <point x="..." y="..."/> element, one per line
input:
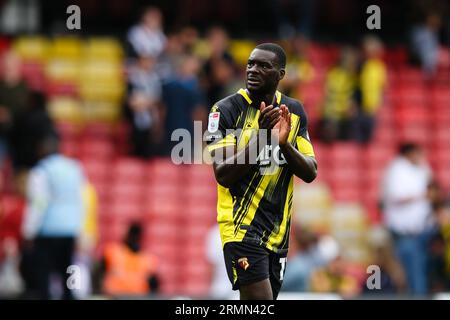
<point x="164" y="195"/>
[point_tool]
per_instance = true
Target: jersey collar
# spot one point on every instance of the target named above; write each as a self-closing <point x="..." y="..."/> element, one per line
<point x="244" y="93"/>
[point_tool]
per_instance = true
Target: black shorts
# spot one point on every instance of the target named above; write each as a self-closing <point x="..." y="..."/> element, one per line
<point x="248" y="263"/>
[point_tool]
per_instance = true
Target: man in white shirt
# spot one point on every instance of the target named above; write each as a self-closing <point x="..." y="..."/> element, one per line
<point x="408" y="212"/>
<point x="147" y="38"/>
<point x="54" y="215"/>
<point x="220" y="285"/>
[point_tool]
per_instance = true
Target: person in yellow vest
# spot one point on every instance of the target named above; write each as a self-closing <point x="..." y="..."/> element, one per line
<point x="372" y="81"/>
<point x="339" y="106"/>
<point x="128" y="271"/>
<point x="87" y="241"/>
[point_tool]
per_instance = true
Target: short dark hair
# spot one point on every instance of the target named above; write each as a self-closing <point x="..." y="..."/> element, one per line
<point x="408" y="147"/>
<point x="275" y="48"/>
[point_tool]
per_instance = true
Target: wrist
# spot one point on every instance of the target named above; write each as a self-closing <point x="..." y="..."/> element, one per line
<point x="283" y="144"/>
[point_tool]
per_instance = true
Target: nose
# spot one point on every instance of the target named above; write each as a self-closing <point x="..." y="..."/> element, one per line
<point x="252" y="70"/>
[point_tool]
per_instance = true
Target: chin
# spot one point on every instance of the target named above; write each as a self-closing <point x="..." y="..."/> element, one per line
<point x="255" y="89"/>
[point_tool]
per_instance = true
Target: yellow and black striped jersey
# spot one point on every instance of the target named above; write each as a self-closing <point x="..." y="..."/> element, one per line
<point x="257" y="208"/>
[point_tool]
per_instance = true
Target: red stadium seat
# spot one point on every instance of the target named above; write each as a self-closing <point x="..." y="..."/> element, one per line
<point x="125" y="211"/>
<point x="347" y="194"/>
<point x="70" y="148"/>
<point x="164" y="170"/>
<point x="98" y="130"/>
<point x="441" y="96"/>
<point x="158" y="191"/>
<point x="409" y="75"/>
<point x="97" y="171"/>
<point x="443" y="177"/>
<point x="61" y="88"/>
<point x="129" y="170"/>
<point x="33" y="73"/>
<point x="68" y="130"/>
<point x="98" y="149"/>
<point x="200" y="173"/>
<point x="410" y="94"/>
<point x="379" y="154"/>
<point x="122" y="191"/>
<point x="346" y="152"/>
<point x="163" y="208"/>
<point x="162" y="229"/>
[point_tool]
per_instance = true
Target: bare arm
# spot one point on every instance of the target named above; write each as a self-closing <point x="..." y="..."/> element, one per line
<point x="231" y="164"/>
<point x="304" y="167"/>
<point x="228" y="169"/>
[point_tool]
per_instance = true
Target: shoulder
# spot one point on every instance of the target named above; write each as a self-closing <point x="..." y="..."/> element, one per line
<point x="294" y="105"/>
<point x="229" y="108"/>
<point x="228" y="103"/>
<point x="73" y="164"/>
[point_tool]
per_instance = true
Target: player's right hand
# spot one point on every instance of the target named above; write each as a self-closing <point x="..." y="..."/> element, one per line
<point x="268" y="116"/>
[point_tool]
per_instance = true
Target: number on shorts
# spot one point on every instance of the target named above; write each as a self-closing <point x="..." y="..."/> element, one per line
<point x="283" y="267"/>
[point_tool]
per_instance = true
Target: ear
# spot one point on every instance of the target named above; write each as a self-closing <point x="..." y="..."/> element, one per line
<point x="281" y="74"/>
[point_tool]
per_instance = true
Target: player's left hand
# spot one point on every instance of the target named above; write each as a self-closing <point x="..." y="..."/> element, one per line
<point x="283" y="125"/>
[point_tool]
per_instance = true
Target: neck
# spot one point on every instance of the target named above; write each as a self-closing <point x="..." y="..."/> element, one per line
<point x="268" y="98"/>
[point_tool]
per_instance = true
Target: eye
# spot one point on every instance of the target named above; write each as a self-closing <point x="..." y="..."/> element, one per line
<point x="250" y="63"/>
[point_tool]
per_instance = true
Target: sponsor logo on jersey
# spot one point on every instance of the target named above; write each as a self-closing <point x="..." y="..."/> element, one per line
<point x="213" y="121"/>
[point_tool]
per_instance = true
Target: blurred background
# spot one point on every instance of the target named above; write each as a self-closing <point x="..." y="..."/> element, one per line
<point x="86" y="117"/>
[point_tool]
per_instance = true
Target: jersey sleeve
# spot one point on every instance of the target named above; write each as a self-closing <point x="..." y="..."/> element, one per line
<point x="304" y="144"/>
<point x="220" y="131"/>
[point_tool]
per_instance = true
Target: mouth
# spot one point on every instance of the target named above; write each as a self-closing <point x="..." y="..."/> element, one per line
<point x="253" y="81"/>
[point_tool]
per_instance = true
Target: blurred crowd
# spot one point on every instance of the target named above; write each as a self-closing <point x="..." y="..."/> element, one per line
<point x="409" y="252"/>
<point x="173" y="78"/>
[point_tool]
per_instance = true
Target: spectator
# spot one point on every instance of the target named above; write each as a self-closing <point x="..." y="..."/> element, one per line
<point x="28" y="130"/>
<point x="335" y="278"/>
<point x="372" y="82"/>
<point x="126" y="270"/>
<point x="408" y="213"/>
<point x="339" y="106"/>
<point x="87" y="241"/>
<point x="300" y="267"/>
<point x="299" y="70"/>
<point x="439" y="275"/>
<point x="53" y="216"/>
<point x="173" y="53"/>
<point x="218" y="43"/>
<point x="144" y="108"/>
<point x="183" y="98"/>
<point x="13" y="97"/>
<point x="220" y="285"/>
<point x="147" y="38"/>
<point x="189" y="39"/>
<point x="425" y="43"/>
<point x="11" y="283"/>
<point x="392" y="277"/>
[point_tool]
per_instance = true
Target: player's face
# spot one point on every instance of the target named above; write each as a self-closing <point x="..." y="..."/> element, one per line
<point x="263" y="72"/>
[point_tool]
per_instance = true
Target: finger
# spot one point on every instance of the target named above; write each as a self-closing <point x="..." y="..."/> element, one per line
<point x="274" y="122"/>
<point x="271" y="113"/>
<point x="262" y="106"/>
<point x="266" y="109"/>
<point x="286" y="112"/>
<point x="270" y="122"/>
<point x="275" y="114"/>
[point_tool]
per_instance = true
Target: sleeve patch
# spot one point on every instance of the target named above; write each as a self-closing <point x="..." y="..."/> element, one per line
<point x="213" y="121"/>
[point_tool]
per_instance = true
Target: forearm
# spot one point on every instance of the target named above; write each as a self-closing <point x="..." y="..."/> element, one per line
<point x="236" y="166"/>
<point x="304" y="167"/>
